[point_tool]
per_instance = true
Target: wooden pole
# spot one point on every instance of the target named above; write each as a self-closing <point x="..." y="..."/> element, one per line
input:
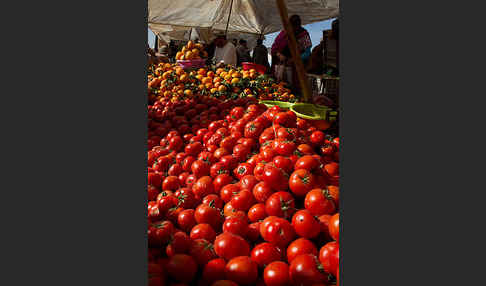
<point x="156" y="44"/>
<point x="299" y="66"/>
<point x="229" y="16"/>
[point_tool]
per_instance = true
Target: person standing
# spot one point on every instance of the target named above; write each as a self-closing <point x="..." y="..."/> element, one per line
<point x="225" y="52"/>
<point x="260" y="54"/>
<point x="243" y="52"/>
<point x="281" y="51"/>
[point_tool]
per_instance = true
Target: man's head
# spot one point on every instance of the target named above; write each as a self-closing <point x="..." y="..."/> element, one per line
<point x="295" y="21"/>
<point x="243" y="42"/>
<point x="335" y="27"/>
<point x="235" y="42"/>
<point x="220" y="40"/>
<point x="259" y="42"/>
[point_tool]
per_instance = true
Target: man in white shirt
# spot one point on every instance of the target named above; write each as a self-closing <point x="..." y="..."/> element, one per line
<point x="225" y="51"/>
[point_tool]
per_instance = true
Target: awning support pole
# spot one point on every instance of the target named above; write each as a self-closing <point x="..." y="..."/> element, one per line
<point x="229" y="16"/>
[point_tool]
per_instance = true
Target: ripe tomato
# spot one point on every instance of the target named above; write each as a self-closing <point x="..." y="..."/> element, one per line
<point x="257" y="212"/>
<point x="285" y="147"/>
<point x="208" y="214"/>
<point x="218" y="169"/>
<point x="213" y="200"/>
<point x="182" y="268"/>
<point x="220" y="181"/>
<point x="203" y="187"/>
<point x="193" y="149"/>
<point x="276" y="274"/>
<point x="186" y="220"/>
<point x="179" y="244"/>
<point x="242" y="270"/>
<point x="155" y="179"/>
<point x="329" y="257"/>
<point x="187" y="163"/>
<point x="190" y="180"/>
<point x="175" y="143"/>
<point x="214" y="270"/>
<point x="265" y="253"/>
<point x="305" y="270"/>
<point x="280" y="204"/>
<point x="243" y="200"/>
<point x="259" y="171"/>
<point x="301" y="182"/>
<point x="170" y="183"/>
<point x="332" y="169"/>
<point x="324" y="221"/>
<point x="159" y="233"/>
<point x="247" y="182"/>
<point x="283" y="163"/>
<point x="307" y="162"/>
<point x="241" y="152"/>
<point x="229" y="162"/>
<point x="203" y="231"/>
<point x="242" y="170"/>
<point x="305" y="224"/>
<point x="300" y="246"/>
<point x="224" y="282"/>
<point x="277" y="231"/>
<point x="186" y="198"/>
<point x="202" y="251"/>
<point x="275" y="178"/>
<point x="228" y="191"/>
<point x="253" y="233"/>
<point x="228" y="143"/>
<point x="175" y="170"/>
<point x="165" y="203"/>
<point x="319" y="202"/>
<point x="220" y="152"/>
<point x="236" y="225"/>
<point x="228" y="245"/>
<point x="283" y="118"/>
<point x="334" y="227"/>
<point x="253" y="129"/>
<point x="317" y="138"/>
<point x="152" y="192"/>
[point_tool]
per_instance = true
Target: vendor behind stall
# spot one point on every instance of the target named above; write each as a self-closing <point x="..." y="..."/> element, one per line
<point x="225" y="52"/>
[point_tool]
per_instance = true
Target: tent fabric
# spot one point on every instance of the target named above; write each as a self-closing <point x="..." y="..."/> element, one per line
<point x="258" y="17"/>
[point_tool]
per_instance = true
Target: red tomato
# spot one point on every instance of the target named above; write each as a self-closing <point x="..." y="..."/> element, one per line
<point x="236" y="225"/>
<point x="175" y="170"/>
<point x="228" y="245"/>
<point x="190" y="180"/>
<point x="334" y="227"/>
<point x="257" y="212"/>
<point x="265" y="253"/>
<point x="229" y="162"/>
<point x="159" y="233"/>
<point x="171" y="183"/>
<point x="319" y="202"/>
<point x="182" y="268"/>
<point x="152" y="192"/>
<point x="276" y="274"/>
<point x="300" y="246"/>
<point x="175" y="143"/>
<point x="202" y="251"/>
<point x="214" y="270"/>
<point x="275" y="178"/>
<point x="253" y="233"/>
<point x="224" y="283"/>
<point x="155" y="179"/>
<point x="280" y="204"/>
<point x="203" y="231"/>
<point x="247" y="182"/>
<point x="307" y="162"/>
<point x="187" y="163"/>
<point x="242" y="270"/>
<point x="301" y="182"/>
<point x="242" y="170"/>
<point x="285" y="147"/>
<point x="305" y="270"/>
<point x="329" y="257"/>
<point x="332" y="169"/>
<point x="241" y="152"/>
<point x="193" y="149"/>
<point x="186" y="220"/>
<point x="277" y="231"/>
<point x="259" y="171"/>
<point x="208" y="214"/>
<point x="228" y="191"/>
<point x="220" y="152"/>
<point x="213" y="200"/>
<point x="317" y="138"/>
<point x="179" y="243"/>
<point x="305" y="224"/>
<point x="203" y="187"/>
<point x="218" y="169"/>
<point x="220" y="181"/>
<point x="243" y="200"/>
<point x="283" y="163"/>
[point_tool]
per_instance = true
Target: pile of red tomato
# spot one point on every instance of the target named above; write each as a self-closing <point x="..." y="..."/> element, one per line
<point x="239" y="194"/>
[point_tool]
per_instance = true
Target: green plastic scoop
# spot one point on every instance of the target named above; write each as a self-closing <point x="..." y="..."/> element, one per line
<point x="305" y="110"/>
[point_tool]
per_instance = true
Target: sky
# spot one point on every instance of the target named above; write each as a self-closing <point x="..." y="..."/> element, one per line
<point x="314" y="29"/>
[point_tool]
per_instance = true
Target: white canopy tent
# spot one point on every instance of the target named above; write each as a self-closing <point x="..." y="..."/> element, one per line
<point x="246" y="19"/>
